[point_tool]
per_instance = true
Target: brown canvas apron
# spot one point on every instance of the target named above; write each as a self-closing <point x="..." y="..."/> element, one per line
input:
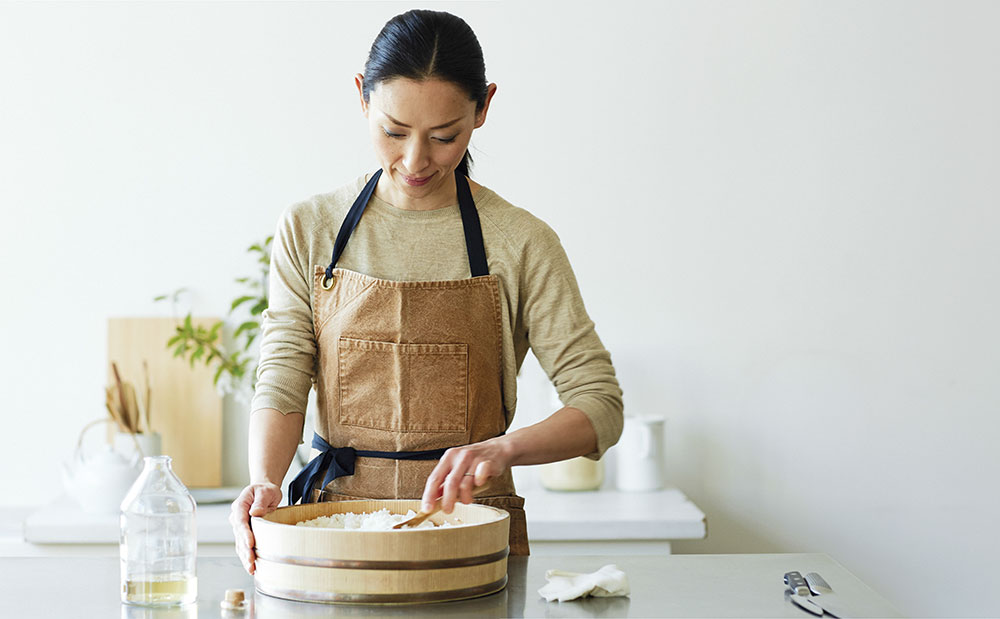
<point x="405" y="371"/>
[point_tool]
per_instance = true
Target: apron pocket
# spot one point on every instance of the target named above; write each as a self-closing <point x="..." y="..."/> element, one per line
<point x="403" y="387"/>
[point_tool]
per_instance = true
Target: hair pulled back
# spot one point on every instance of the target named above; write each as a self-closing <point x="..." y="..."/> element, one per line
<point x="420" y="45"/>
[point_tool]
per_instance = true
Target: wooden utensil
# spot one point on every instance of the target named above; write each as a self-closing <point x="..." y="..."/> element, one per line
<point x="420" y="517"/>
<point x="149" y="396"/>
<point x="109" y="403"/>
<point x="121" y="396"/>
<point x="133" y="407"/>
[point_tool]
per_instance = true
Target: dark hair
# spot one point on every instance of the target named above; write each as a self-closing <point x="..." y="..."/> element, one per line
<point x="422" y="44"/>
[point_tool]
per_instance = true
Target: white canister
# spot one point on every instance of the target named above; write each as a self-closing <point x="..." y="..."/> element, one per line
<point x="575" y="474"/>
<point x="640" y="455"/>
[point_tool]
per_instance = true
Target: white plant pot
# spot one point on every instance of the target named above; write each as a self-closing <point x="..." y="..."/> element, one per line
<point x="150" y="444"/>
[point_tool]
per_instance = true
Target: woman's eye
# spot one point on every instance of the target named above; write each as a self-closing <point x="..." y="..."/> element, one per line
<point x="390" y="134"/>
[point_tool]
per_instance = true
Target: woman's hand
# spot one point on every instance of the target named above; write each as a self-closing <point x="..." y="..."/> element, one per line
<point x="462" y="469"/>
<point x="255" y="500"/>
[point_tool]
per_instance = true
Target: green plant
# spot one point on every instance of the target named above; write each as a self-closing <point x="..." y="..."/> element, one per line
<point x="196" y="343"/>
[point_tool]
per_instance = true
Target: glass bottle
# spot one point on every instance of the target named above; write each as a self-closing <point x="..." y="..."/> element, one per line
<point x="159" y="541"/>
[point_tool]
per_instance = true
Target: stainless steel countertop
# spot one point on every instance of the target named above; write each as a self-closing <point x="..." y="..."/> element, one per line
<point x="748" y="585"/>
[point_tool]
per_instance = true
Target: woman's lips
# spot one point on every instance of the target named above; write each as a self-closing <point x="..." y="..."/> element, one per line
<point x="414" y="181"/>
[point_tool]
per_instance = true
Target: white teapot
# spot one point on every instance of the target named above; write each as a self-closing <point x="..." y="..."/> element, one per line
<point x="99" y="481"/>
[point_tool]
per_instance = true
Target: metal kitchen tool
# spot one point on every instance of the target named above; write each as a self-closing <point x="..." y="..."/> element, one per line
<point x="797" y="584"/>
<point x="805" y="603"/>
<point x="799" y="593"/>
<point x="832" y="603"/>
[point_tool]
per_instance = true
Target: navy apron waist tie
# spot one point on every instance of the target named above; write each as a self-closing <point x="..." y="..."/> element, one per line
<point x="339" y="462"/>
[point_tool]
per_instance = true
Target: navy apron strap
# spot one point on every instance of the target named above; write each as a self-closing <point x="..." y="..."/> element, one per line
<point x="339" y="462"/>
<point x="351" y="222"/>
<point x="473" y="230"/>
<point x="470" y="224"/>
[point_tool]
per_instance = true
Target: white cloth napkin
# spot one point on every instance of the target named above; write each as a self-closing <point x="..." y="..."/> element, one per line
<point x="608" y="581"/>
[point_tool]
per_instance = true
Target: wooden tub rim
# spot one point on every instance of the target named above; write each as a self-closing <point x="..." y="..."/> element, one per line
<point x="267" y="520"/>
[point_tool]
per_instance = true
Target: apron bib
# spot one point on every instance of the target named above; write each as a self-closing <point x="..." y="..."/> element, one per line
<point x="405" y="371"/>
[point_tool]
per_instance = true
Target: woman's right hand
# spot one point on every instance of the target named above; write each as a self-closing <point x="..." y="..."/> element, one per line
<point x="256" y="500"/>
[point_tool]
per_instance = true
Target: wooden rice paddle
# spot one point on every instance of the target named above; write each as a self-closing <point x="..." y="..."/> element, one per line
<point x="412" y="522"/>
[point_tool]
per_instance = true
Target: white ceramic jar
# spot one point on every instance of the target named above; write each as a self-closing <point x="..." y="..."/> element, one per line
<point x="640" y="455"/>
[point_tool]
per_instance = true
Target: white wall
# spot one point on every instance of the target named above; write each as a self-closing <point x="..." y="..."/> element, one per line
<point x="783" y="217"/>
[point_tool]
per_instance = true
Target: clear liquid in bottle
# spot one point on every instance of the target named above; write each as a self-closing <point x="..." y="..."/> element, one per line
<point x="159" y="543"/>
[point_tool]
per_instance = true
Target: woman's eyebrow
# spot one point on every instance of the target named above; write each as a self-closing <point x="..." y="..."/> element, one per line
<point x="396" y="122"/>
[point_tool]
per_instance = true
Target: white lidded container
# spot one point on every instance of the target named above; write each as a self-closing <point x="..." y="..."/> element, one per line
<point x="159" y="542"/>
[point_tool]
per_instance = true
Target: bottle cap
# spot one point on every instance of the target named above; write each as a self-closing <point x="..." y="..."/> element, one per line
<point x="234" y="599"/>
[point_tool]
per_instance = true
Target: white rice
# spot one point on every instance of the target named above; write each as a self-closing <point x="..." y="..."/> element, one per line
<point x="381" y="520"/>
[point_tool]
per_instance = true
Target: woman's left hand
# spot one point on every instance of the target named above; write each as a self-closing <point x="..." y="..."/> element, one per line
<point x="462" y="469"/>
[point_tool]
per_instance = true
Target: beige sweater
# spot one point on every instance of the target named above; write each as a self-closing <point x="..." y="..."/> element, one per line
<point x="540" y="300"/>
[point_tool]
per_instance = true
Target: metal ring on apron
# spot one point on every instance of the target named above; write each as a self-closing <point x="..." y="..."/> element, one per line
<point x="325" y="285"/>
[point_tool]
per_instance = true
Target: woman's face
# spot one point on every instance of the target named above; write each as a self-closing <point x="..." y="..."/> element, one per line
<point x="420" y="131"/>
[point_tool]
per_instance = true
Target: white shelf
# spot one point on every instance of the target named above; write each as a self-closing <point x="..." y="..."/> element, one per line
<point x="603" y="515"/>
<point x="606" y="515"/>
<point x="63" y="522"/>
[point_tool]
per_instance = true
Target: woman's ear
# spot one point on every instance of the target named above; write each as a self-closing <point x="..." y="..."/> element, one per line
<point x="481" y="114"/>
<point x="359" y="81"/>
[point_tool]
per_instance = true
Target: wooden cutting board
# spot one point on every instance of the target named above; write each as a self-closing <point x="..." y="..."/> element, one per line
<point x="186" y="408"/>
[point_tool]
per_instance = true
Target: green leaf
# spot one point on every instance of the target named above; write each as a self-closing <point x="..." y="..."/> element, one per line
<point x="246" y="326"/>
<point x="160" y="297"/>
<point x="240" y="301"/>
<point x="259" y="308"/>
<point x="187" y="323"/>
<point x="218" y="373"/>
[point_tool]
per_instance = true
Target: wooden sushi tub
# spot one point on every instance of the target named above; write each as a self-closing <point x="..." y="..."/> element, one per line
<point x="406" y="566"/>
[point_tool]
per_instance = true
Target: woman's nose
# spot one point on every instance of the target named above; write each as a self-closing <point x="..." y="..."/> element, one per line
<point x="415" y="156"/>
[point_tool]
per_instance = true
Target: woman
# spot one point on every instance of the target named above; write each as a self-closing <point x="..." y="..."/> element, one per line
<point x="413" y="320"/>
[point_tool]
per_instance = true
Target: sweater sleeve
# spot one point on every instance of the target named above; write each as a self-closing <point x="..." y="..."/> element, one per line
<point x="563" y="339"/>
<point x="287" y="346"/>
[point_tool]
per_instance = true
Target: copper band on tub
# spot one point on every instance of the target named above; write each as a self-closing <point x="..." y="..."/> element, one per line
<point x="382" y="598"/>
<point x="433" y="564"/>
